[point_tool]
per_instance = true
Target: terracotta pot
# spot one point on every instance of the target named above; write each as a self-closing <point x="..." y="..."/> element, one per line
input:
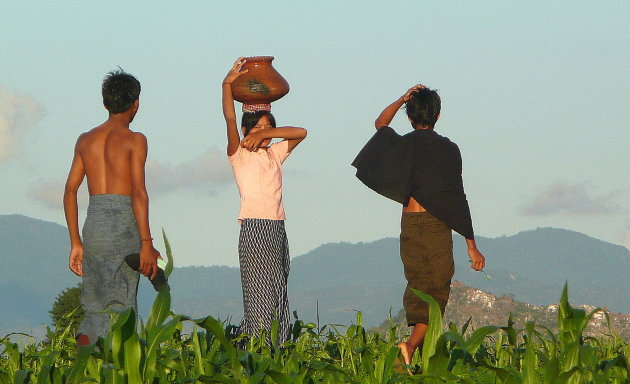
<point x="262" y="84"/>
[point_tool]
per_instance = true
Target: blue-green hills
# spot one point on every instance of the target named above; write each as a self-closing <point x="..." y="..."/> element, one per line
<point x="332" y="281"/>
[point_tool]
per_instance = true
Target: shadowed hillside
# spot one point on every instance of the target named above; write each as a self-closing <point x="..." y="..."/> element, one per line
<point x="531" y="267"/>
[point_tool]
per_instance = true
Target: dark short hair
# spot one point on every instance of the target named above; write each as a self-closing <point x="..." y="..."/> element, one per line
<point x="120" y="89"/>
<point x="423" y="108"/>
<point x="250" y="119"/>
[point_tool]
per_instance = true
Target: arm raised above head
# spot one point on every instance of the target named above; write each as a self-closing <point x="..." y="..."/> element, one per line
<point x="297" y="135"/>
<point x="386" y="117"/>
<point x="228" y="106"/>
<point x="294" y="136"/>
<point x="388" y="114"/>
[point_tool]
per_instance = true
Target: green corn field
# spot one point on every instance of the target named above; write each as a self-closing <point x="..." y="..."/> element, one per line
<point x="172" y="348"/>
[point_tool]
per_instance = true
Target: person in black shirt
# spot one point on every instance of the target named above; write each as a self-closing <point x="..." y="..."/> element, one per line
<point x="423" y="171"/>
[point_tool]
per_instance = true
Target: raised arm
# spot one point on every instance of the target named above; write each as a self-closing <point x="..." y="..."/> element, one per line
<point x="228" y="106"/>
<point x="294" y="135"/>
<point x="389" y="112"/>
<point x="140" y="206"/>
<point x="70" y="207"/>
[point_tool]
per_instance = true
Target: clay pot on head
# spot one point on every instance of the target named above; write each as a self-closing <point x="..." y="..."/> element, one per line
<point x="262" y="84"/>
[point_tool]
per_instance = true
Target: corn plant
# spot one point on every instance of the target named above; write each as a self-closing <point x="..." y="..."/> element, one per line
<point x="160" y="351"/>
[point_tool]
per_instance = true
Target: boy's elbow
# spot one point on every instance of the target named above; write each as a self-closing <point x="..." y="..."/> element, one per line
<point x="139" y="194"/>
<point x="70" y="190"/>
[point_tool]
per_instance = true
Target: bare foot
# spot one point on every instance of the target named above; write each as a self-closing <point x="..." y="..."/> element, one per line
<point x="404" y="351"/>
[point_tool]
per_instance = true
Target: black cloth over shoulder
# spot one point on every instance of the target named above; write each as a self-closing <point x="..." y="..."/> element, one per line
<point x="421" y="164"/>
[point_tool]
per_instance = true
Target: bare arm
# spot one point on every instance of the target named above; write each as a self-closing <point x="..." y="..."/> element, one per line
<point x="70" y="207"/>
<point x="478" y="261"/>
<point x="294" y="135"/>
<point x="228" y="106"/>
<point x="140" y="205"/>
<point x="386" y="117"/>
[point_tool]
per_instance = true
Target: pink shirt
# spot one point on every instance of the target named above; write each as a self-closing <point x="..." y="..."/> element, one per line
<point x="258" y="176"/>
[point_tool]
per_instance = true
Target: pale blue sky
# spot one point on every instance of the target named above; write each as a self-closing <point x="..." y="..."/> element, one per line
<point x="535" y="93"/>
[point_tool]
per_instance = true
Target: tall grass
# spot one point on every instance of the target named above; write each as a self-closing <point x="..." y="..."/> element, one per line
<point x="159" y="351"/>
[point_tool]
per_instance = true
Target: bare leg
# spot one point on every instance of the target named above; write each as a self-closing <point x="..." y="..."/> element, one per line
<point x="407" y="348"/>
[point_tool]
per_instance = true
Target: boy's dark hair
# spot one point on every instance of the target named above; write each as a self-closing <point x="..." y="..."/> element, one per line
<point x="423" y="108"/>
<point x="250" y="119"/>
<point x="120" y="89"/>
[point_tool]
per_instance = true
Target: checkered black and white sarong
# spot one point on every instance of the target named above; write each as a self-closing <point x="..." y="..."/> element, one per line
<point x="264" y="260"/>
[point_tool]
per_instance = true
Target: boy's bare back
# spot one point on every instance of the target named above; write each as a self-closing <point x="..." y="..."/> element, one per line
<point x="113" y="158"/>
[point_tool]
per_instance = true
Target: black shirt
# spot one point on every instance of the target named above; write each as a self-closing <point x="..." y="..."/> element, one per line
<point x="421" y="164"/>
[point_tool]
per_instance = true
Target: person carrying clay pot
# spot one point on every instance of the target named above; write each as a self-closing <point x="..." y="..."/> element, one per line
<point x="263" y="246"/>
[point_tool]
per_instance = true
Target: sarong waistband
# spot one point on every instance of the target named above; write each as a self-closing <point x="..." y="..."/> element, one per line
<point x="416" y="214"/>
<point x="109" y="201"/>
<point x="422" y="218"/>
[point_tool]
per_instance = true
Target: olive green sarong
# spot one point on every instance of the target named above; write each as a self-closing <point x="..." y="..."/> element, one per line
<point x="426" y="250"/>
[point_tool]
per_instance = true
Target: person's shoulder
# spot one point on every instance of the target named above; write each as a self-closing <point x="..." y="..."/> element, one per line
<point x="451" y="143"/>
<point x="386" y="129"/>
<point x="136" y="137"/>
<point x="90" y="133"/>
<point x="448" y="147"/>
<point x="236" y="155"/>
<point x="279" y="147"/>
<point x="445" y="140"/>
<point x="86" y="137"/>
<point x="133" y="141"/>
<point x="388" y="133"/>
<point x="441" y="144"/>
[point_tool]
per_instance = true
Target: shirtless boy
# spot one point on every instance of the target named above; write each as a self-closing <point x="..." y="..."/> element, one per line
<point x="423" y="171"/>
<point x="112" y="157"/>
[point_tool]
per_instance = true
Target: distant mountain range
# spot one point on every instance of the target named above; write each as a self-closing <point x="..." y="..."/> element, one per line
<point x="334" y="280"/>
